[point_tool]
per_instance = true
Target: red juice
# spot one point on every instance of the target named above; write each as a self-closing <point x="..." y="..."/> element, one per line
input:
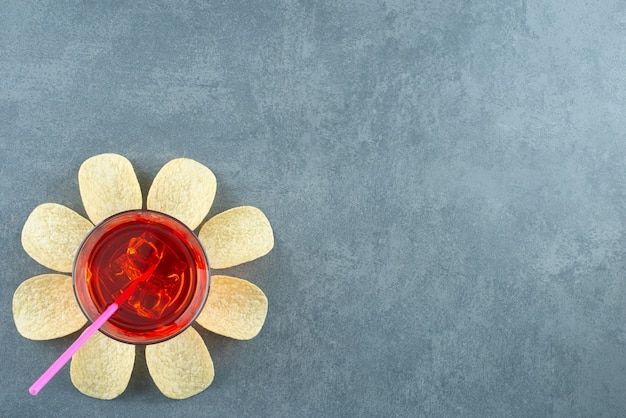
<point x="162" y="255"/>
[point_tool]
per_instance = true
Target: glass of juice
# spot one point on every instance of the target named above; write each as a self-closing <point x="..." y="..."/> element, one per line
<point x="166" y="260"/>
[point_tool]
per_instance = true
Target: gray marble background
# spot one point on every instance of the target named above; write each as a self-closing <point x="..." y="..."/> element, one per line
<point x="446" y="181"/>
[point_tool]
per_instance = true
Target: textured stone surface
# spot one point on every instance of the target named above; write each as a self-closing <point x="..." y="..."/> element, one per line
<point x="446" y="182"/>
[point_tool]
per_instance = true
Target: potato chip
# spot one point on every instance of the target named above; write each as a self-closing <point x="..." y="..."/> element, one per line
<point x="180" y="367"/>
<point x="184" y="189"/>
<point x="102" y="367"/>
<point x="44" y="307"/>
<point x="236" y="236"/>
<point x="52" y="234"/>
<point x="235" y="308"/>
<point x="108" y="185"/>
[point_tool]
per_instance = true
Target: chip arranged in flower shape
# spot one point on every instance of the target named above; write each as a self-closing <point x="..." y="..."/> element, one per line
<point x="102" y="367"/>
<point x="236" y="236"/>
<point x="36" y="314"/>
<point x="108" y="185"/>
<point x="46" y="306"/>
<point x="180" y="376"/>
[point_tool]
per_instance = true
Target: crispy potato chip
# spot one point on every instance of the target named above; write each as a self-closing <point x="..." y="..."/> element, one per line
<point x="235" y="308"/>
<point x="108" y="185"/>
<point x="184" y="189"/>
<point x="180" y="367"/>
<point x="52" y="234"/>
<point x="102" y="367"/>
<point x="236" y="236"/>
<point x="44" y="307"/>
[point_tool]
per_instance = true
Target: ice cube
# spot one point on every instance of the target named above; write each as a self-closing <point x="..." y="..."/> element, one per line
<point x="156" y="294"/>
<point x="148" y="304"/>
<point x="145" y="251"/>
<point x="118" y="274"/>
<point x="123" y="267"/>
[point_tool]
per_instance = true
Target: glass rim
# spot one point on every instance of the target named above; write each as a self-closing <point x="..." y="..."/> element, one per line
<point x="202" y="254"/>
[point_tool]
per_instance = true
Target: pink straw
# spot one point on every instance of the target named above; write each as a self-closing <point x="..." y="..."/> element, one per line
<point x="72" y="349"/>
